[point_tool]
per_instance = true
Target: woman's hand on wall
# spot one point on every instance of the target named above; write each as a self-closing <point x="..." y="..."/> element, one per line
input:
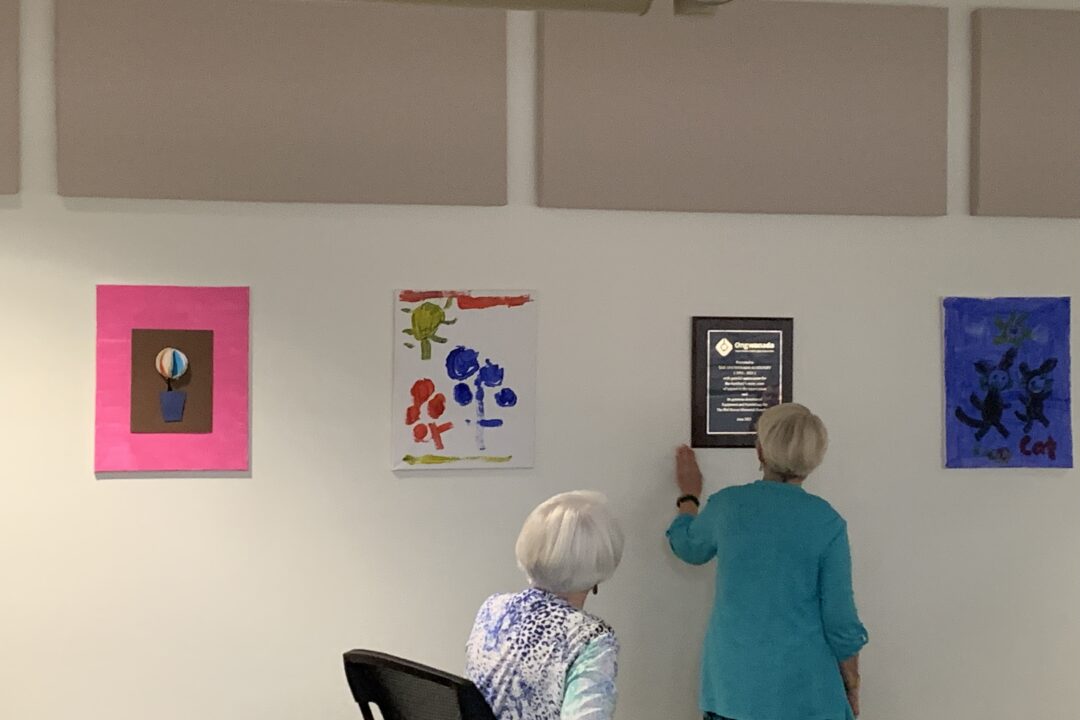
<point x="687" y="472"/>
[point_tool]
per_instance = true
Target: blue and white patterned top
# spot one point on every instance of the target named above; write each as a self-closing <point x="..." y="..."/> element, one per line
<point x="536" y="657"/>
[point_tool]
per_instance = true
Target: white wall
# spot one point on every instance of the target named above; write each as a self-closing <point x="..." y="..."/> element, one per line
<point x="232" y="599"/>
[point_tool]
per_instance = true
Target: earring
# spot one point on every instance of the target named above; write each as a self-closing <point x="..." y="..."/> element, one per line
<point x="595" y="589"/>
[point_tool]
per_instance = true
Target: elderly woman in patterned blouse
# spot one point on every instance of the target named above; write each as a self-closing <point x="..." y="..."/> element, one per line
<point x="537" y="655"/>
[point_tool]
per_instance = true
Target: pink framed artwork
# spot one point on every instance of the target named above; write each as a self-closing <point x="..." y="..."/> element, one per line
<point x="172" y="379"/>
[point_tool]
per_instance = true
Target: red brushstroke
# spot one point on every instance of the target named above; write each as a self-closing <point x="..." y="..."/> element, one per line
<point x="1041" y="447"/>
<point x="465" y="301"/>
<point x="437" y="431"/>
<point x="468" y="302"/>
<point x="420" y="433"/>
<point x="420" y="296"/>
<point x="437" y="406"/>
<point x="421" y="391"/>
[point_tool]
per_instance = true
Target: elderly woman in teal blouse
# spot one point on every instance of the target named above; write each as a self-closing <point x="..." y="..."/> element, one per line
<point x="784" y="638"/>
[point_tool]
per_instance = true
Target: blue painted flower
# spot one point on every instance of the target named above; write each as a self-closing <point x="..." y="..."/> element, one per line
<point x="491" y="374"/>
<point x="462" y="363"/>
<point x="463" y="394"/>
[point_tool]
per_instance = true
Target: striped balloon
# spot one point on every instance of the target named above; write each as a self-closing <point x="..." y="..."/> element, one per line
<point x="171" y="363"/>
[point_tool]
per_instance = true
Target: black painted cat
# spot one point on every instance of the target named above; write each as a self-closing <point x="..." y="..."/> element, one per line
<point x="992" y="405"/>
<point x="1037" y="388"/>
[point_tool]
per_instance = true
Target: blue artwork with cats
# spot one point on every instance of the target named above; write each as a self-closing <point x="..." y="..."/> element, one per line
<point x="1007" y="401"/>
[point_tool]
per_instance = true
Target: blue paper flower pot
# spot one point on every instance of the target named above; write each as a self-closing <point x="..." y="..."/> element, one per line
<point x="172" y="405"/>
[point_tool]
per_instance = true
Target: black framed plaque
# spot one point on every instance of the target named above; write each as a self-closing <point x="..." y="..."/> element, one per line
<point x="742" y="366"/>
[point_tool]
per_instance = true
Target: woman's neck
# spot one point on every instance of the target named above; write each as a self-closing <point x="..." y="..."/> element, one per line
<point x="575" y="599"/>
<point x="773" y="476"/>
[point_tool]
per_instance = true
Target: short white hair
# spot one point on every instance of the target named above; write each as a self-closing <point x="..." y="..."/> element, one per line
<point x="792" y="439"/>
<point x="570" y="543"/>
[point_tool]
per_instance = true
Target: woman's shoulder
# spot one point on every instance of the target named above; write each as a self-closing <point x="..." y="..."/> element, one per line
<point x="829" y="522"/>
<point x="824" y="508"/>
<point x="494" y="606"/>
<point x="603" y="644"/>
<point x="599" y="624"/>
<point x="496" y="599"/>
<point x="592" y="630"/>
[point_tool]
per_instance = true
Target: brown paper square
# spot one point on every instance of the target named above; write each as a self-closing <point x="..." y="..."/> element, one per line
<point x="197" y="382"/>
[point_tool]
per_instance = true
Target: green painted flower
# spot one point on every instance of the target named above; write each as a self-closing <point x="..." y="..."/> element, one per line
<point x="1012" y="330"/>
<point x="426" y="319"/>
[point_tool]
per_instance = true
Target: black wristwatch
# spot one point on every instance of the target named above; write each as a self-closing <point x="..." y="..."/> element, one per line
<point x="688" y="498"/>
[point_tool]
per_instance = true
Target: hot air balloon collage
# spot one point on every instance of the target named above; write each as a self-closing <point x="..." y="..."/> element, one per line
<point x="172" y="379"/>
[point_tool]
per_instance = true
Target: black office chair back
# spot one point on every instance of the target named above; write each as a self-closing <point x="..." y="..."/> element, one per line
<point x="404" y="690"/>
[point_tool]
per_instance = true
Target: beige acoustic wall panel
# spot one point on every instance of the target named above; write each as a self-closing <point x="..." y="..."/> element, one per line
<point x="1026" y="113"/>
<point x="281" y="101"/>
<point x="776" y="107"/>
<point x="9" y="97"/>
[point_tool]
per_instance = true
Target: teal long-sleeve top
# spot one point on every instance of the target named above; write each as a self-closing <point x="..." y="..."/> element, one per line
<point x="784" y="614"/>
